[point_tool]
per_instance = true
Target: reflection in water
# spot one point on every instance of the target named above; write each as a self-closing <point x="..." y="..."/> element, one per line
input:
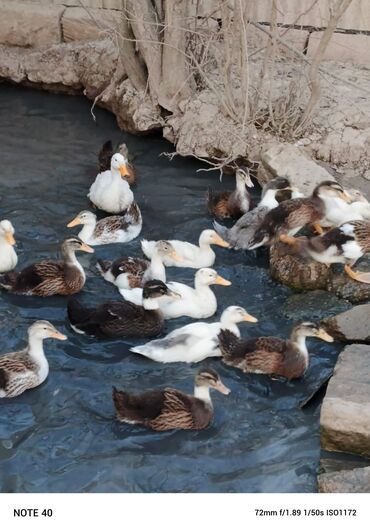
<point x="63" y="435"/>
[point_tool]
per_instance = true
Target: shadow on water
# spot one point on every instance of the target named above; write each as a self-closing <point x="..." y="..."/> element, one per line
<point x="62" y="436"/>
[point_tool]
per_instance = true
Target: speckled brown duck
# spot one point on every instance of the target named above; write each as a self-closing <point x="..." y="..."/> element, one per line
<point x="50" y="277"/>
<point x="269" y="355"/>
<point x="345" y="244"/>
<point x="122" y="319"/>
<point x="231" y="203"/>
<point x="27" y="368"/>
<point x="292" y="215"/>
<point x="105" y="156"/>
<point x="170" y="409"/>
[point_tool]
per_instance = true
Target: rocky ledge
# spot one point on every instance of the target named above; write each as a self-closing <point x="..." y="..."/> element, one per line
<point x="354" y="481"/>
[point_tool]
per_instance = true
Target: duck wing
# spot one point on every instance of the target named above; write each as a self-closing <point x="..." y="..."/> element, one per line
<point x="141" y="408"/>
<point x="177" y="412"/>
<point x="44" y="278"/>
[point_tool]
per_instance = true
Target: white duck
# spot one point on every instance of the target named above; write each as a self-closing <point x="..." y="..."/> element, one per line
<point x="132" y="272"/>
<point x="110" y="192"/>
<point x="109" y="230"/>
<point x="196" y="341"/>
<point x="198" y="302"/>
<point x="340" y="212"/>
<point x="193" y="256"/>
<point x="8" y="257"/>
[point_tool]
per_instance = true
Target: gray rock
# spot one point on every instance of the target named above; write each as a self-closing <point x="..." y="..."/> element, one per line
<point x="300" y="273"/>
<point x="353" y="481"/>
<point x="346" y="288"/>
<point x="345" y="412"/>
<point x="350" y="326"/>
<point x="313" y="305"/>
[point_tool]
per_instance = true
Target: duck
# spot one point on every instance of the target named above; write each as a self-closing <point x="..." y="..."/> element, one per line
<point x="123" y="319"/>
<point x="170" y="409"/>
<point x="109" y="230"/>
<point x="345" y="244"/>
<point x="28" y="368"/>
<point x="240" y="235"/>
<point x="105" y="155"/>
<point x="50" y="277"/>
<point x="231" y="203"/>
<point x="340" y="211"/>
<point x="292" y="215"/>
<point x="110" y="192"/>
<point x="270" y="355"/>
<point x="193" y="256"/>
<point x="8" y="256"/>
<point x="196" y="341"/>
<point x="197" y="303"/>
<point x="133" y="272"/>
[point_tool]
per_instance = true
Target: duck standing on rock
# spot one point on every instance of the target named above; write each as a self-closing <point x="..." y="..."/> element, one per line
<point x="231" y="203"/>
<point x="50" y="277"/>
<point x="28" y="368"/>
<point x="196" y="341"/>
<point x="292" y="215"/>
<point x="170" y="409"/>
<point x="109" y="230"/>
<point x="110" y="191"/>
<point x="240" y="235"/>
<point x="270" y="355"/>
<point x="193" y="256"/>
<point x="8" y="257"/>
<point x="105" y="156"/>
<point x="123" y="319"/>
<point x="133" y="272"/>
<point x="341" y="245"/>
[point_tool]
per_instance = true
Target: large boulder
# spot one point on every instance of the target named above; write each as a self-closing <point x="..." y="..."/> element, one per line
<point x="345" y="412"/>
<point x="353" y="325"/>
<point x="296" y="271"/>
<point x="345" y="287"/>
<point x="354" y="481"/>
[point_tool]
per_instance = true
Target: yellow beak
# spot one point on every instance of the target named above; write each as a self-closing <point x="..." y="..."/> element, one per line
<point x="250" y="318"/>
<point x="324" y="336"/>
<point x="175" y="256"/>
<point x="86" y="248"/>
<point x="58" y="335"/>
<point x="220" y="242"/>
<point x="74" y="222"/>
<point x="222" y="281"/>
<point x="124" y="170"/>
<point x="345" y="197"/>
<point x="10" y="239"/>
<point x="220" y="387"/>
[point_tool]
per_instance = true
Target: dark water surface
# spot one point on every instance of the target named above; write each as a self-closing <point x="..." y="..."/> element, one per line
<point x="63" y="436"/>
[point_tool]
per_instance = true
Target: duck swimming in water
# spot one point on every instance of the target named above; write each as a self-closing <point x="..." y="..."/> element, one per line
<point x="170" y="409"/>
<point x="105" y="156"/>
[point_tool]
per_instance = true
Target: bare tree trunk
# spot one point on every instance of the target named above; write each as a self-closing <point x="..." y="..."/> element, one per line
<point x="129" y="58"/>
<point x="313" y="73"/>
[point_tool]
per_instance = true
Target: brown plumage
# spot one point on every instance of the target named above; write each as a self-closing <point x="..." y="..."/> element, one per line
<point x="105" y="155"/>
<point x="231" y="203"/>
<point x="270" y="355"/>
<point x="49" y="277"/>
<point x="292" y="215"/>
<point x="170" y="409"/>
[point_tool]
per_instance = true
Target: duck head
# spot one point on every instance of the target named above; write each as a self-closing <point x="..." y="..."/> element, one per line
<point x="7" y="232"/>
<point x="119" y="163"/>
<point x="43" y="329"/>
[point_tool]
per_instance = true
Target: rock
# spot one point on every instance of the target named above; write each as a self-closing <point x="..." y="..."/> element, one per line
<point x="81" y="25"/>
<point x="298" y="272"/>
<point x="354" y="481"/>
<point x="313" y="305"/>
<point x="291" y="161"/>
<point x="30" y="25"/>
<point x="346" y="288"/>
<point x="11" y="63"/>
<point x="351" y="325"/>
<point x="345" y="412"/>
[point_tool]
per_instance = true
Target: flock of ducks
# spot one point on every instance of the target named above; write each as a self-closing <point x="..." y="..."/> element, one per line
<point x="148" y="298"/>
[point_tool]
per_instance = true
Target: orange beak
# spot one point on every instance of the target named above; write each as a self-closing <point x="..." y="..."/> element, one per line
<point x="220" y="242"/>
<point x="124" y="170"/>
<point x="86" y="248"/>
<point x="74" y="222"/>
<point x="10" y="239"/>
<point x="324" y="336"/>
<point x="175" y="256"/>
<point x="58" y="335"/>
<point x="250" y="318"/>
<point x="345" y="197"/>
<point x="222" y="281"/>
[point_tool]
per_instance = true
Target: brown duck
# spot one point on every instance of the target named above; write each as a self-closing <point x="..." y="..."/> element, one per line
<point x="105" y="156"/>
<point x="292" y="215"/>
<point x="50" y="277"/>
<point x="231" y="203"/>
<point x="170" y="409"/>
<point x="270" y="355"/>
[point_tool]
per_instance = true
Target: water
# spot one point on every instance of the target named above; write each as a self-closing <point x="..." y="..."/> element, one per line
<point x="63" y="435"/>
